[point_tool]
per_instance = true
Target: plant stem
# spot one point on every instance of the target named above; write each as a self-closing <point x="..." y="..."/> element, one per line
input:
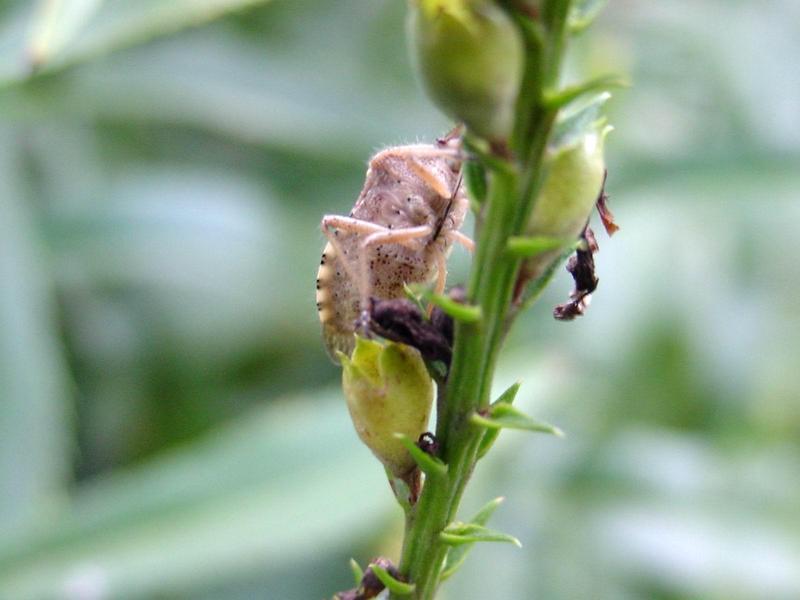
<point x="469" y="382"/>
<point x="468" y="388"/>
<point x="510" y="200"/>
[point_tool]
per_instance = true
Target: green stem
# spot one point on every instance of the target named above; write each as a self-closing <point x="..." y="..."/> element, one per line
<point x="510" y="200"/>
<point x="470" y="379"/>
<point x="469" y="383"/>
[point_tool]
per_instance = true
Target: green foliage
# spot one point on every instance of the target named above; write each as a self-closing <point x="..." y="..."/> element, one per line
<point x="492" y="433"/>
<point x="458" y="310"/>
<point x="505" y="416"/>
<point x="395" y="586"/>
<point x="458" y="554"/>
<point x="358" y="572"/>
<point x="430" y="465"/>
<point x="459" y="534"/>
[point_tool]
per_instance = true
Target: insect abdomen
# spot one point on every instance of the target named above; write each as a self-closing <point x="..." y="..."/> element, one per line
<point x="324" y="279"/>
<point x="337" y="303"/>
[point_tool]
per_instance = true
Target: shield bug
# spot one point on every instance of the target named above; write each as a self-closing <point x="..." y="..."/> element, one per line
<point x="400" y="231"/>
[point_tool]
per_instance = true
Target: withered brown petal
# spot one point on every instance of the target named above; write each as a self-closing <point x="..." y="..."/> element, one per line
<point x="402" y="321"/>
<point x="606" y="216"/>
<point x="581" y="267"/>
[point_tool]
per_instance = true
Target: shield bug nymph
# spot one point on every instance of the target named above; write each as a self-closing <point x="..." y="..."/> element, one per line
<point x="399" y="232"/>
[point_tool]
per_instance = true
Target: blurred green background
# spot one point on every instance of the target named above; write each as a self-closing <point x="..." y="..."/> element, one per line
<point x="170" y="426"/>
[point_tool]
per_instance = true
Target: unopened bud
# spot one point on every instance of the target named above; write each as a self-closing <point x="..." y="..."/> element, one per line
<point x="569" y="193"/>
<point x="470" y="56"/>
<point x="388" y="391"/>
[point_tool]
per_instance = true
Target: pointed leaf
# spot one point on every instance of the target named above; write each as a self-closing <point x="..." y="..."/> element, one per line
<point x="395" y="586"/>
<point x="560" y="98"/>
<point x="457" y="534"/>
<point x="358" y="572"/>
<point x="487" y="510"/>
<point x="505" y="416"/>
<point x="430" y="465"/>
<point x="458" y="554"/>
<point x="509" y="395"/>
<point x="466" y="313"/>
<point x="492" y="434"/>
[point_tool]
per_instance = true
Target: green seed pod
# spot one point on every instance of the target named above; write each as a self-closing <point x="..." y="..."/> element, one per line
<point x="568" y="195"/>
<point x="388" y="391"/>
<point x="470" y="56"/>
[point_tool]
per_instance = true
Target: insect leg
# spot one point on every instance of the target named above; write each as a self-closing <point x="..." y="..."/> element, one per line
<point x="441" y="273"/>
<point x="349" y="224"/>
<point x="431" y="178"/>
<point x="330" y="223"/>
<point x="441" y="278"/>
<point x="463" y="239"/>
<point x="394" y="236"/>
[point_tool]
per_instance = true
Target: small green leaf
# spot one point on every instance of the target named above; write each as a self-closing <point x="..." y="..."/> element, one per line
<point x="395" y="586"/>
<point x="458" y="554"/>
<point x="358" y="572"/>
<point x="487" y="510"/>
<point x="509" y="395"/>
<point x="492" y="434"/>
<point x="527" y="247"/>
<point x="466" y="313"/>
<point x="559" y="99"/>
<point x="457" y="534"/>
<point x="505" y="416"/>
<point x="430" y="465"/>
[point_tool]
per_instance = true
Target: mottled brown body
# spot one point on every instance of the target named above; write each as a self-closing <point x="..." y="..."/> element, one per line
<point x="400" y="231"/>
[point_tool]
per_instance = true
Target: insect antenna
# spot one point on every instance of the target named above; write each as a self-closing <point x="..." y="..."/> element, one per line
<point x="449" y="206"/>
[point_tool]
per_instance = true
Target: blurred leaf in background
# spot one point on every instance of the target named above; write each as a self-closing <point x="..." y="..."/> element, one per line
<point x="168" y="421"/>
